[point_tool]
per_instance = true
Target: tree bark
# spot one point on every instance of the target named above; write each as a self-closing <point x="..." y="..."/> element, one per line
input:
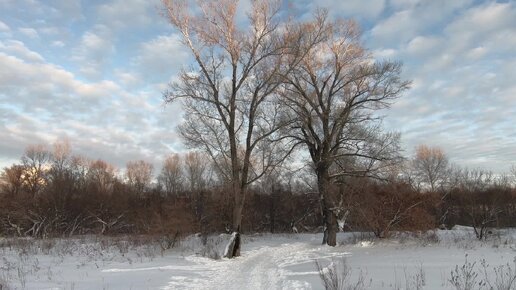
<point x="234" y="245"/>
<point x="328" y="204"/>
<point x="330" y="228"/>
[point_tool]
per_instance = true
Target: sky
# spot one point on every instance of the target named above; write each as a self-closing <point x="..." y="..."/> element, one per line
<point x="93" y="72"/>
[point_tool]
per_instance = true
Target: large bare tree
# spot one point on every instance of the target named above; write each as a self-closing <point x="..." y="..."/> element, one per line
<point x="227" y="95"/>
<point x="333" y="95"/>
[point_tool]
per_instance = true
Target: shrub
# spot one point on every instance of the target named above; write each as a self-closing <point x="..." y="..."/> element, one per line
<point x="337" y="276"/>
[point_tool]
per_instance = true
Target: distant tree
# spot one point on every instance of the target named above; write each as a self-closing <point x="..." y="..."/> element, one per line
<point x="61" y="175"/>
<point x="332" y="96"/>
<point x="171" y="176"/>
<point x="11" y="179"/>
<point x="513" y="174"/>
<point x="431" y="166"/>
<point x="61" y="155"/>
<point x="197" y="167"/>
<point x="101" y="176"/>
<point x="227" y="95"/>
<point x="480" y="199"/>
<point x="139" y="175"/>
<point x="36" y="163"/>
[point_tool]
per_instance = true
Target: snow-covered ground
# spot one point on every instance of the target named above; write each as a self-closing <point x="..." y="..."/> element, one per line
<point x="279" y="261"/>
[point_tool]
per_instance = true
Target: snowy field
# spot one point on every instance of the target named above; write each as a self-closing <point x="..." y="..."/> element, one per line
<point x="279" y="261"/>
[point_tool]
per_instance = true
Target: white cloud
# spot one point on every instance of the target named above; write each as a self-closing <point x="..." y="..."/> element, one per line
<point x="357" y="9"/>
<point x="462" y="59"/>
<point x="94" y="51"/>
<point x="127" y="79"/>
<point x="18" y="48"/>
<point x="41" y="101"/>
<point x="485" y="18"/>
<point x="460" y="56"/>
<point x="120" y="14"/>
<point x="476" y="53"/>
<point x="369" y="9"/>
<point x="412" y="18"/>
<point x="488" y="20"/>
<point x="161" y="57"/>
<point x="29" y="32"/>
<point x="424" y="45"/>
<point x="70" y="9"/>
<point x="403" y="4"/>
<point x="396" y="29"/>
<point x="4" y="27"/>
<point x="385" y="53"/>
<point x="58" y="43"/>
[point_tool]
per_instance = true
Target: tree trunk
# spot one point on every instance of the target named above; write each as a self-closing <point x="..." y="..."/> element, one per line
<point x="233" y="248"/>
<point x="328" y="204"/>
<point x="330" y="228"/>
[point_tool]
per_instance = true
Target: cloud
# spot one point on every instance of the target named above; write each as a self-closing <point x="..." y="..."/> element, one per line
<point x="29" y="32"/>
<point x="58" y="43"/>
<point x="424" y="45"/>
<point x="122" y="14"/>
<point x="95" y="73"/>
<point x="412" y="18"/>
<point x="70" y="9"/>
<point x="4" y="27"/>
<point x="128" y="79"/>
<point x="367" y="10"/>
<point x="94" y="51"/>
<point x="462" y="93"/>
<point x="161" y="57"/>
<point x="18" y="48"/>
<point x="494" y="24"/>
<point x="40" y="102"/>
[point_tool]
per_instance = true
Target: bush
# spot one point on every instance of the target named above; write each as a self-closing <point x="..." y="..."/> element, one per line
<point x="383" y="207"/>
<point x="337" y="276"/>
<point x="467" y="276"/>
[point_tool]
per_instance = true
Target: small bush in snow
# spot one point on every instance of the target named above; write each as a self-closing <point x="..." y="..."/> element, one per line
<point x="504" y="276"/>
<point x="465" y="277"/>
<point x="415" y="281"/>
<point x="169" y="241"/>
<point x="337" y="276"/>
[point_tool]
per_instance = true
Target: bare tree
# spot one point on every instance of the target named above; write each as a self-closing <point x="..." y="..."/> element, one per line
<point x="61" y="156"/>
<point x="11" y="179"/>
<point x="139" y="175"/>
<point x="101" y="175"/>
<point x="481" y="196"/>
<point x="333" y="95"/>
<point x="513" y="174"/>
<point x="36" y="163"/>
<point x="171" y="176"/>
<point x="197" y="168"/>
<point x="431" y="166"/>
<point x="227" y="95"/>
<point x="61" y="173"/>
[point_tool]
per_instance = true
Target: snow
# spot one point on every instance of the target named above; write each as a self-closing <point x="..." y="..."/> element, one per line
<point x="268" y="261"/>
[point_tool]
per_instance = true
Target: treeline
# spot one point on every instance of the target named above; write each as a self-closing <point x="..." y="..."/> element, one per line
<point x="54" y="193"/>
